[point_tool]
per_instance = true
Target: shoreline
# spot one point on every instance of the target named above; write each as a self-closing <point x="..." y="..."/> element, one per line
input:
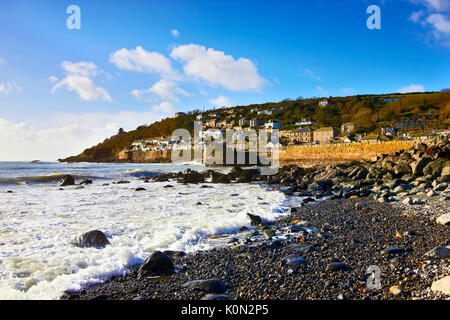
<point x="252" y="268"/>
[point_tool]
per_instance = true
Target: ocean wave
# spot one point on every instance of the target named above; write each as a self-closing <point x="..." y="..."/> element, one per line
<point x="20" y="180"/>
<point x="140" y="173"/>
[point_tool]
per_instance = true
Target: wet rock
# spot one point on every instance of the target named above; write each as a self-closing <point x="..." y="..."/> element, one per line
<point x="67" y="181"/>
<point x="140" y="189"/>
<point x="190" y="176"/>
<point x="293" y="261"/>
<point x="208" y="286"/>
<point x="254" y="219"/>
<point x="85" y="182"/>
<point x="438" y="253"/>
<point x="157" y="264"/>
<point x="337" y="266"/>
<point x="393" y="250"/>
<point x="95" y="238"/>
<point x="217" y="177"/>
<point x="168" y="186"/>
<point x="121" y="182"/>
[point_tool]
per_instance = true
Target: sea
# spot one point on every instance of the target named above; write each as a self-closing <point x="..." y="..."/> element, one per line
<point x="38" y="221"/>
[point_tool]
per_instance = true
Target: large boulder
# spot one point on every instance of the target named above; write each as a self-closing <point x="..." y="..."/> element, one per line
<point x="217" y="177"/>
<point x="67" y="180"/>
<point x="418" y="166"/>
<point x="157" y="264"/>
<point x="94" y="238"/>
<point x="435" y="167"/>
<point x="190" y="176"/>
<point x="254" y="219"/>
<point x="208" y="286"/>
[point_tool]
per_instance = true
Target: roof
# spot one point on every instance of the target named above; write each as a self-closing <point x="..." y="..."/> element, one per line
<point x="325" y="129"/>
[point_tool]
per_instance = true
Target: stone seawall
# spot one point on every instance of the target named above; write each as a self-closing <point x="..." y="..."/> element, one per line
<point x="345" y="152"/>
<point x="146" y="157"/>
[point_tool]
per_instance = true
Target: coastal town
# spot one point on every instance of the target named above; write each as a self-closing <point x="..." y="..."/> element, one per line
<point x="306" y="132"/>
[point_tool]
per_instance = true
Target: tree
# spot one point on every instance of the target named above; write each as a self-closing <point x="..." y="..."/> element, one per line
<point x="120" y="132"/>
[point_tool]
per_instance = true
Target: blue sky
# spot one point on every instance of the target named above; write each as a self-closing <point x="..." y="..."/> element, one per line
<point x="134" y="62"/>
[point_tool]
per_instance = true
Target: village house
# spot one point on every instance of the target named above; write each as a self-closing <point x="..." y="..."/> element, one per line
<point x="324" y="102"/>
<point x="256" y="123"/>
<point x="305" y="122"/>
<point x="267" y="112"/>
<point x="303" y="135"/>
<point x="272" y="125"/>
<point x="347" y="127"/>
<point x="244" y="122"/>
<point x="211" y="123"/>
<point x="200" y="117"/>
<point x="324" y="135"/>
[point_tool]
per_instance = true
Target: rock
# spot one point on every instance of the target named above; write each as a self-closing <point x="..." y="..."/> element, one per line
<point x="431" y="193"/>
<point x="67" y="181"/>
<point x="395" y="290"/>
<point x="87" y="181"/>
<point x="121" y="182"/>
<point x="337" y="266"/>
<point x="440" y="186"/>
<point x="444" y="219"/>
<point x="217" y="177"/>
<point x="254" y="219"/>
<point x="157" y="264"/>
<point x="442" y="285"/>
<point x="435" y="167"/>
<point x="95" y="238"/>
<point x="140" y="298"/>
<point x="168" y="186"/>
<point x="438" y="253"/>
<point x="140" y="189"/>
<point x="275" y="244"/>
<point x="417" y="166"/>
<point x="208" y="286"/>
<point x="293" y="261"/>
<point x="269" y="233"/>
<point x="341" y="297"/>
<point x="393" y="250"/>
<point x="191" y="177"/>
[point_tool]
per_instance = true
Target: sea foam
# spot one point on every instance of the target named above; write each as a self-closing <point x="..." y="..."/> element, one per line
<point x="38" y="223"/>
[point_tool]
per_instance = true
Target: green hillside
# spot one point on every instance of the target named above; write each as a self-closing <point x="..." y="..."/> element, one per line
<point x="367" y="112"/>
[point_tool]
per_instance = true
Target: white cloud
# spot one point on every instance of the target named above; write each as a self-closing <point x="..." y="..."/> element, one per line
<point x="165" y="107"/>
<point x="416" y="16"/>
<point x="435" y="20"/>
<point x="140" y="60"/>
<point x="411" y="88"/>
<point x="53" y="79"/>
<point x="78" y="80"/>
<point x="9" y="87"/>
<point x="175" y="33"/>
<point x="165" y="89"/>
<point x="221" y="101"/>
<point x="311" y="74"/>
<point x="2" y="61"/>
<point x="439" y="22"/>
<point x="65" y="134"/>
<point x="217" y="68"/>
<point x="438" y="5"/>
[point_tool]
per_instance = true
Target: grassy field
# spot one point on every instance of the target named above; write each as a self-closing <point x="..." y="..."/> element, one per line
<point x="354" y="151"/>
